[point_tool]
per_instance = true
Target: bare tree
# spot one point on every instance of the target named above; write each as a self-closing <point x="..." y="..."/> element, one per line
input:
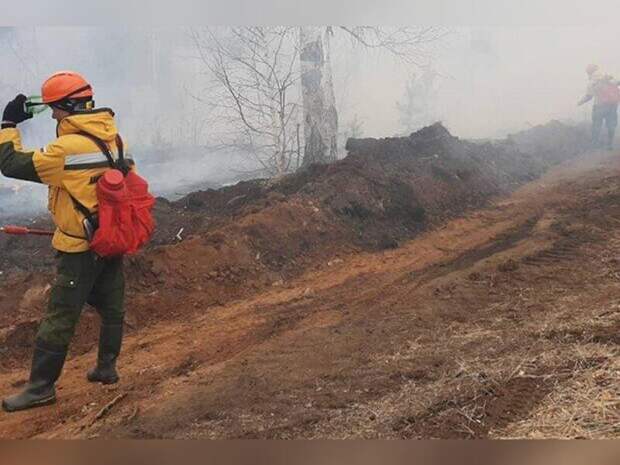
<point x="408" y="44"/>
<point x="254" y="72"/>
<point x="320" y="114"/>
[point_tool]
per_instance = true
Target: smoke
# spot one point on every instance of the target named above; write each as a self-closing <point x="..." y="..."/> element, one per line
<point x="149" y="77"/>
<point x="490" y="81"/>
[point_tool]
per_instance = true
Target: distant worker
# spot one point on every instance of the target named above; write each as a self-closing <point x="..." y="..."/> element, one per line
<point x="70" y="166"/>
<point x="603" y="88"/>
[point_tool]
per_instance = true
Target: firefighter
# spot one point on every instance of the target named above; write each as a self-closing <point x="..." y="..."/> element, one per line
<point x="606" y="94"/>
<point x="70" y="165"/>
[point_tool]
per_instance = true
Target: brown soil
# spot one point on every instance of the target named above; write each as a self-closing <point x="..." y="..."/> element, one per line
<point x="402" y="292"/>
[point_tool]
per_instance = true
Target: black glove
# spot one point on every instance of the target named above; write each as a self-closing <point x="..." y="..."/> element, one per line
<point x="14" y="112"/>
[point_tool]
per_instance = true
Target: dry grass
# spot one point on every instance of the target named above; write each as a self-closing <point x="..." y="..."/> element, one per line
<point x="586" y="405"/>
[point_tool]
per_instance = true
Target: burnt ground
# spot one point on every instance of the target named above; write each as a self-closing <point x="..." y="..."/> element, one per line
<point x="405" y="291"/>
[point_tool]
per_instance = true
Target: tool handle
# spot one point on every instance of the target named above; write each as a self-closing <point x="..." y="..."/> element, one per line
<point x="40" y="232"/>
<point x="18" y="230"/>
<point x="22" y="231"/>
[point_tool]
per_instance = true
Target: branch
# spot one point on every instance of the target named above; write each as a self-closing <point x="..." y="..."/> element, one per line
<point x="405" y="43"/>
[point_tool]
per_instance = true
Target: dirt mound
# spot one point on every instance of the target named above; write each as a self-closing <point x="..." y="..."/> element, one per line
<point x="553" y="142"/>
<point x="387" y="189"/>
<point x="384" y="191"/>
<point x="214" y="246"/>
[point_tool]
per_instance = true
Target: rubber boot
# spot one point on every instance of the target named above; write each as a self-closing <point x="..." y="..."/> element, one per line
<point x="47" y="365"/>
<point x="110" y="340"/>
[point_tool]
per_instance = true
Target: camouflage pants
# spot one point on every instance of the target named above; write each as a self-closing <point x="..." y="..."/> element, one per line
<point x="82" y="278"/>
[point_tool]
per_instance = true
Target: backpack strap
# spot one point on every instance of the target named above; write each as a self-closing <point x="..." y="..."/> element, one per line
<point x="121" y="148"/>
<point x="81" y="207"/>
<point x="119" y="164"/>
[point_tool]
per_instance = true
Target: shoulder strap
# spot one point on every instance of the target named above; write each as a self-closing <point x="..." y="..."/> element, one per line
<point x="102" y="146"/>
<point x="120" y="165"/>
<point x="121" y="148"/>
<point x="80" y="207"/>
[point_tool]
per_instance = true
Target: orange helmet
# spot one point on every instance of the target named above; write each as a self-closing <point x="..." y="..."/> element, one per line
<point x="65" y="85"/>
<point x="591" y="69"/>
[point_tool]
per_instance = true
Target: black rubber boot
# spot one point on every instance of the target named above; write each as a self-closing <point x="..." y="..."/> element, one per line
<point x="110" y="340"/>
<point x="47" y="365"/>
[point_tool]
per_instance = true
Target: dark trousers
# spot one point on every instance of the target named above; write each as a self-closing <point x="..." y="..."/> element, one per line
<point x="82" y="278"/>
<point x="607" y="113"/>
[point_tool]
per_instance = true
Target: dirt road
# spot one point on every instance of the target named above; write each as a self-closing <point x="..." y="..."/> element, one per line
<point x="502" y="323"/>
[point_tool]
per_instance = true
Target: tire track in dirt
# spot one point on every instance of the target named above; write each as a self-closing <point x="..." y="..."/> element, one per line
<point x="515" y="399"/>
<point x="494" y="407"/>
<point x="600" y="334"/>
<point x="472" y="417"/>
<point x="503" y="407"/>
<point x="491" y="408"/>
<point x="467" y="259"/>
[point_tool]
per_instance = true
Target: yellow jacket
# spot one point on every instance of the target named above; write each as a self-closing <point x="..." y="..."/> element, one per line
<point x="70" y="166"/>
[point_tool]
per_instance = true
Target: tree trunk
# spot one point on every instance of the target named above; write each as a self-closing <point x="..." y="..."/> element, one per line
<point x="319" y="107"/>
